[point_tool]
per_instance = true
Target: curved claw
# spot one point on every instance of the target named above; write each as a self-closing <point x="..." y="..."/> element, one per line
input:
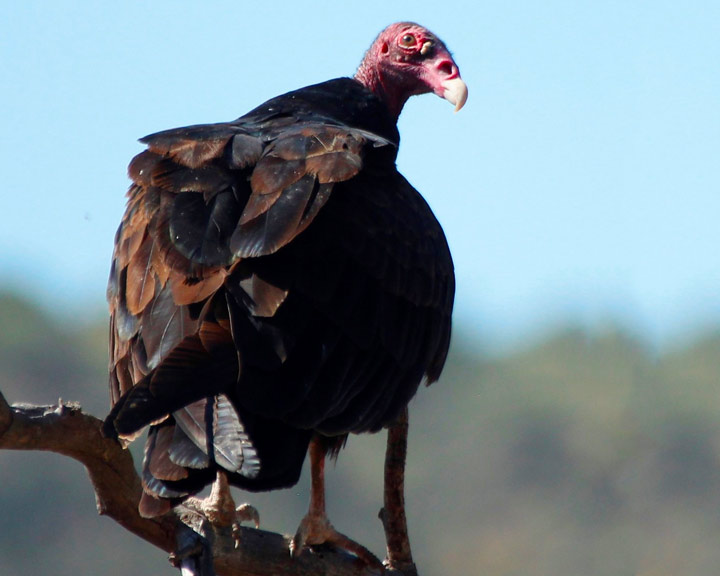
<point x="247" y="513"/>
<point x="244" y="513"/>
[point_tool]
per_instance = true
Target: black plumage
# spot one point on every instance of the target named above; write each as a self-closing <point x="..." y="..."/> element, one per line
<point x="274" y="278"/>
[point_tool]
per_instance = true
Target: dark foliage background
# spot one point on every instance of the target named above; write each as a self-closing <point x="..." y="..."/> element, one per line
<point x="582" y="453"/>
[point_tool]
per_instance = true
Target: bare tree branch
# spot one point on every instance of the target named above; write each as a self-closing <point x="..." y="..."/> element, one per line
<point x="65" y="429"/>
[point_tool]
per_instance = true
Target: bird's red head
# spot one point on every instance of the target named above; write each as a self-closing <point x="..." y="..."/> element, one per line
<point x="407" y="59"/>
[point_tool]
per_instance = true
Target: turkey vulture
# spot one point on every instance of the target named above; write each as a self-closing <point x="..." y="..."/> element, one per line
<point x="276" y="284"/>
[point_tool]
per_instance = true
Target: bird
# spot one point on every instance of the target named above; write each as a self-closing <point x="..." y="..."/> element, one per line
<point x="277" y="285"/>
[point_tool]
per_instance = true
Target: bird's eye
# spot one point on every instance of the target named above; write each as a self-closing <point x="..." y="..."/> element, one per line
<point x="408" y="41"/>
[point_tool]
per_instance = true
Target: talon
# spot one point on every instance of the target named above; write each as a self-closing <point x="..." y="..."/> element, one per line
<point x="247" y="513"/>
<point x="296" y="544"/>
<point x="236" y="536"/>
<point x="244" y="513"/>
<point x="300" y="539"/>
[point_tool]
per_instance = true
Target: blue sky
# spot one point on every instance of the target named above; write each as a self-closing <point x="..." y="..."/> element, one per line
<point x="581" y="183"/>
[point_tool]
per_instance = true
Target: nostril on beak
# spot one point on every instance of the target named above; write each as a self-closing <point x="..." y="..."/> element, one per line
<point x="446" y="68"/>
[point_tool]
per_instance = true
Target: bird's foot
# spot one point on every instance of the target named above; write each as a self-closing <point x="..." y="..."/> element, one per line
<point x="315" y="530"/>
<point x="225" y="518"/>
<point x="219" y="508"/>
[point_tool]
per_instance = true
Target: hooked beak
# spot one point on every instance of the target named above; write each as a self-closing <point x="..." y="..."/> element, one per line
<point x="455" y="91"/>
<point x="444" y="78"/>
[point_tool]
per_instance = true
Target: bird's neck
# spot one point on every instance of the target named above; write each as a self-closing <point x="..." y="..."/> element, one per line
<point x="384" y="85"/>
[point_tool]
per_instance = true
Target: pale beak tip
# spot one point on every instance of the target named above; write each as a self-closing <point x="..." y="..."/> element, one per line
<point x="455" y="92"/>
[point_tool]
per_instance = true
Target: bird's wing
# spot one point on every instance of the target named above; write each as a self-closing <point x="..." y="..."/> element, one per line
<point x="203" y="199"/>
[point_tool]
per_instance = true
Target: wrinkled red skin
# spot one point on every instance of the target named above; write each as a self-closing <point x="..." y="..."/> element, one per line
<point x="396" y="67"/>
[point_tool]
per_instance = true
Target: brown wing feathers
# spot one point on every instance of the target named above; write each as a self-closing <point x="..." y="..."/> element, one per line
<point x="291" y="182"/>
<point x="202" y="198"/>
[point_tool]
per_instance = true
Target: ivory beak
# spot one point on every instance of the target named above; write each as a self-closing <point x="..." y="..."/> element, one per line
<point x="455" y="92"/>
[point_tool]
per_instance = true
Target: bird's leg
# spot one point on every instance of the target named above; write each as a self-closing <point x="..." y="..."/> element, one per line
<point x="315" y="528"/>
<point x="219" y="508"/>
<point x="399" y="556"/>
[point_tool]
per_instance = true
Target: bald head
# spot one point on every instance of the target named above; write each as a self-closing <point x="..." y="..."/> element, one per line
<point x="407" y="59"/>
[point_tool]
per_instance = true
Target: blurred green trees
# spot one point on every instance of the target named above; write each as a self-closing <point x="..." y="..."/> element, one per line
<point x="580" y="454"/>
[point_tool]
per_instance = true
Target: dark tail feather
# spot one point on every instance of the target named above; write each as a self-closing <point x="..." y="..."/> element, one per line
<point x="187" y="375"/>
<point x="214" y="427"/>
<point x="184" y="451"/>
